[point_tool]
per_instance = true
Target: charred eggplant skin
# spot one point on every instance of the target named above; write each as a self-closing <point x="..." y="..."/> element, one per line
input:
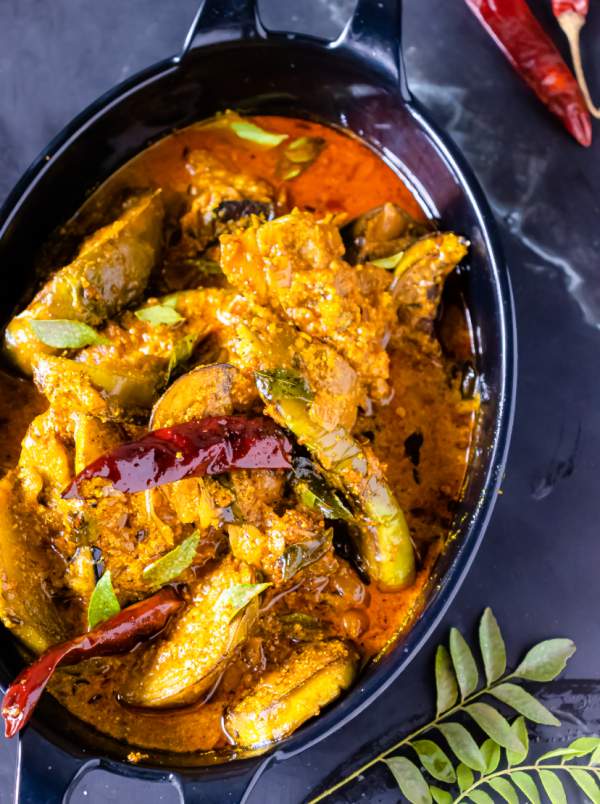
<point x="110" y="271"/>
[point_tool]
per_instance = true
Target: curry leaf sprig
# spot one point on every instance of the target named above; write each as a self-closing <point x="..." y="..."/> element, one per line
<point x="442" y="761"/>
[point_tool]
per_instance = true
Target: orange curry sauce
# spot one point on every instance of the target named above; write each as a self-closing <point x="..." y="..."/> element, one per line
<point x="349" y="178"/>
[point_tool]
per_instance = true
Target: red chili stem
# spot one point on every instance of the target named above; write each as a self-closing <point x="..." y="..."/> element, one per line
<point x="210" y="446"/>
<point x="580" y="7"/>
<point x="571" y="16"/>
<point x="537" y="60"/>
<point x="119" y="634"/>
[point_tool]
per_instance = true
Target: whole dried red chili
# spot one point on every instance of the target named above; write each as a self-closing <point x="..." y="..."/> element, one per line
<point x="535" y="57"/>
<point x="571" y="16"/>
<point x="119" y="634"/>
<point x="210" y="446"/>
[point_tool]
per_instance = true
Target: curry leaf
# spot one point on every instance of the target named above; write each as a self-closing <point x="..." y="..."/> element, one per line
<point x="159" y="314"/>
<point x="63" y="333"/>
<point x="464" y="663"/>
<point x="463" y="745"/>
<point x="172" y="564"/>
<point x="527" y="786"/>
<point x="587" y="783"/>
<point x="491" y="754"/>
<point x="585" y="745"/>
<point x="546" y="660"/>
<point x="103" y="602"/>
<point x="282" y="384"/>
<point x="493" y="650"/>
<point x="595" y="759"/>
<point x="519" y="729"/>
<point x="524" y="703"/>
<point x="250" y="131"/>
<point x="434" y="760"/>
<point x="388" y="262"/>
<point x="315" y="493"/>
<point x="445" y="681"/>
<point x="440" y="796"/>
<point x="480" y="797"/>
<point x="299" y="555"/>
<point x="494" y="725"/>
<point x="505" y="789"/>
<point x="553" y="787"/>
<point x="182" y="351"/>
<point x="409" y="779"/>
<point x="464" y="776"/>
<point x="578" y="748"/>
<point x="237" y="597"/>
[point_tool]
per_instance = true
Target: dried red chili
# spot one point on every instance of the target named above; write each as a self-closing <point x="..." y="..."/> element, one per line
<point x="571" y="16"/>
<point x="535" y="57"/>
<point x="119" y="634"/>
<point x="210" y="446"/>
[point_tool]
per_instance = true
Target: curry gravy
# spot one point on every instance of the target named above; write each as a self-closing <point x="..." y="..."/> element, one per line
<point x="422" y="434"/>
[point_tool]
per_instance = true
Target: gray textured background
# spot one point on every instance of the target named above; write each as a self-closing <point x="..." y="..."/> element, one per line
<point x="538" y="565"/>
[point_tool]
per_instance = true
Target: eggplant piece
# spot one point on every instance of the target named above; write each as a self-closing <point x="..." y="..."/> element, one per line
<point x="419" y="279"/>
<point x="93" y="437"/>
<point x="110" y="271"/>
<point x="381" y="231"/>
<point x="96" y="388"/>
<point x="203" y="391"/>
<point x="26" y="607"/>
<point x="287" y="696"/>
<point x="385" y="543"/>
<point x="235" y="210"/>
<point x="183" y="665"/>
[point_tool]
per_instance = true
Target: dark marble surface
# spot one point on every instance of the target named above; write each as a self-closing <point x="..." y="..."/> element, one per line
<point x="538" y="567"/>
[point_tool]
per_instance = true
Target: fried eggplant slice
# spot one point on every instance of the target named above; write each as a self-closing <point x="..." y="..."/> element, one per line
<point x="385" y="542"/>
<point x="203" y="391"/>
<point x="26" y="607"/>
<point x="286" y="697"/>
<point x="380" y="232"/>
<point x="419" y="280"/>
<point x="183" y="665"/>
<point x="110" y="271"/>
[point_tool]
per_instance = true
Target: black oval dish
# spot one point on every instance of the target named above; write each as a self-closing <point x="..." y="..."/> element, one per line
<point x="357" y="81"/>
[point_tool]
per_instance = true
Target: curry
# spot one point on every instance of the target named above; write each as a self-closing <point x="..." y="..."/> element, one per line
<point x="243" y="424"/>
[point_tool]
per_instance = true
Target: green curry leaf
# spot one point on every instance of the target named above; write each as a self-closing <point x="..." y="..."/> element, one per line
<point x="499" y="774"/>
<point x="301" y="554"/>
<point x="282" y="384"/>
<point x="250" y="131"/>
<point x="103" y="602"/>
<point x="63" y="333"/>
<point x="159" y="314"/>
<point x="388" y="262"/>
<point x="172" y="564"/>
<point x="237" y="597"/>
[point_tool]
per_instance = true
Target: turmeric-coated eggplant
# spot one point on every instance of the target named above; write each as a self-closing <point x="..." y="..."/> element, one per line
<point x="287" y="696"/>
<point x="110" y="271"/>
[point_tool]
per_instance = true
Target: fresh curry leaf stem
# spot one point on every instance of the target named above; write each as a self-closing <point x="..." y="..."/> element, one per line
<point x="410" y="737"/>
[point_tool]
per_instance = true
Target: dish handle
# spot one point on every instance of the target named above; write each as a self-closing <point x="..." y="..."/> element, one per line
<point x="222" y="20"/>
<point x="373" y="33"/>
<point x="44" y="772"/>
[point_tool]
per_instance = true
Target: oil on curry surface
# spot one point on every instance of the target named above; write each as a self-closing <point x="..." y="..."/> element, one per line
<point x="239" y="269"/>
